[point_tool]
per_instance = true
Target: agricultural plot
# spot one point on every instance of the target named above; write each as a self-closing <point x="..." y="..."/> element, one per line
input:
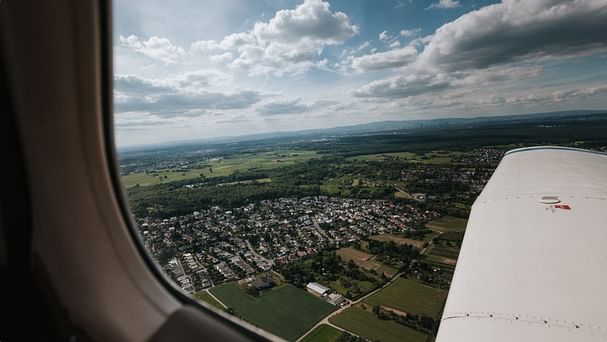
<point x="322" y="333"/>
<point x="398" y="240"/>
<point x="448" y="224"/>
<point x="367" y="325"/>
<point x="217" y="168"/>
<point x="441" y="260"/>
<point x="410" y="296"/>
<point x="444" y="251"/>
<point x="363" y="260"/>
<point x="285" y="310"/>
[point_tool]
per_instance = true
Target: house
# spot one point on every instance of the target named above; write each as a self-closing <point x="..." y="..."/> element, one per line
<point x="335" y="299"/>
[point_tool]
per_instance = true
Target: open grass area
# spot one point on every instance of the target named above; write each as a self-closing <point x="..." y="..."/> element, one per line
<point x="362" y="259"/>
<point x="444" y="251"/>
<point x="410" y="296"/>
<point x="284" y="310"/>
<point x="441" y="260"/>
<point x="225" y="167"/>
<point x="398" y="240"/>
<point x="367" y="325"/>
<point x="322" y="333"/>
<point x="448" y="224"/>
<point x="205" y="297"/>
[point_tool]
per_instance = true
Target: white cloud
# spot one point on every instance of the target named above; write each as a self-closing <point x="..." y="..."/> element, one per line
<point x="312" y="20"/>
<point x="282" y="107"/>
<point x="289" y="43"/>
<point x="154" y="47"/>
<point x="184" y="95"/>
<point x="487" y="46"/>
<point x="410" y="33"/>
<point x="285" y="106"/>
<point x="403" y="86"/>
<point x="394" y="44"/>
<point x="445" y="4"/>
<point x="514" y="30"/>
<point x="383" y="36"/>
<point x="384" y="60"/>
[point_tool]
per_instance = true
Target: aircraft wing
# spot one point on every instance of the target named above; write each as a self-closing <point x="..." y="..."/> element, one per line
<point x="533" y="263"/>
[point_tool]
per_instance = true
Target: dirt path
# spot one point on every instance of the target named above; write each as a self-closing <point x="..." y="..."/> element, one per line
<point x="217" y="299"/>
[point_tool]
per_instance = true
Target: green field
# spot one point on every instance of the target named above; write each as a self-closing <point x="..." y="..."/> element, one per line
<point x="285" y="310"/>
<point x="204" y="296"/>
<point x="436" y="157"/>
<point x="410" y="296"/>
<point x="367" y="325"/>
<point x="382" y="156"/>
<point x="362" y="259"/>
<point x="322" y="333"/>
<point x="216" y="168"/>
<point x="400" y="240"/>
<point x="444" y="251"/>
<point x="448" y="224"/>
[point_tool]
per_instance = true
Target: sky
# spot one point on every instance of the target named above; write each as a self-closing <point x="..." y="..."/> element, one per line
<point x="191" y="69"/>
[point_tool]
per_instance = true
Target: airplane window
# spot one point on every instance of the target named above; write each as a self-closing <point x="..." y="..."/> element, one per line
<point x="309" y="166"/>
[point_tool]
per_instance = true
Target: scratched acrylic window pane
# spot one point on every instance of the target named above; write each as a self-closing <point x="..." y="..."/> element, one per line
<point x="309" y="166"/>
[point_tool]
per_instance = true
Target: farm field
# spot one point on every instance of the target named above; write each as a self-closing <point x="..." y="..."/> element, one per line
<point x="225" y="167"/>
<point x="398" y="240"/>
<point x="322" y="333"/>
<point x="435" y="157"/>
<point x="362" y="259"/>
<point x="448" y="224"/>
<point x="205" y="297"/>
<point x="284" y="310"/>
<point x="444" y="251"/>
<point x="410" y="296"/>
<point x="441" y="260"/>
<point x="367" y="325"/>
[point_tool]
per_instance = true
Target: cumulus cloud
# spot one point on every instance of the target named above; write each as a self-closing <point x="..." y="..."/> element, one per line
<point x="514" y="30"/>
<point x="403" y="86"/>
<point x="289" y="43"/>
<point x="154" y="47"/>
<point x="181" y="96"/>
<point x="311" y="20"/>
<point x="384" y="60"/>
<point x="488" y="45"/>
<point x="283" y="106"/>
<point x="445" y="4"/>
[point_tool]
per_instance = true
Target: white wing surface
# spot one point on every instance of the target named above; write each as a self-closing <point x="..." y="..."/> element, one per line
<point x="533" y="263"/>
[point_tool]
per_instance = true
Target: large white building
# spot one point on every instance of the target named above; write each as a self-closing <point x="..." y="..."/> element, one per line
<point x="317" y="289"/>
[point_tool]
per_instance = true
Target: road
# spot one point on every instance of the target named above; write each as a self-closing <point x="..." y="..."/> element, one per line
<point x="254" y="252"/>
<point x="325" y="320"/>
<point x="320" y="230"/>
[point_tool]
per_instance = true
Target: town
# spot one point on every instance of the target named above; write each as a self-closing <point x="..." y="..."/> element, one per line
<point x="212" y="246"/>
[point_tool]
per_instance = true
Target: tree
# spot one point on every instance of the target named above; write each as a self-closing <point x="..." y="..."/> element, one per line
<point x="376" y="309"/>
<point x="253" y="291"/>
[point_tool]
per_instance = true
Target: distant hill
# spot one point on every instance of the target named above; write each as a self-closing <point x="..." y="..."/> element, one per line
<point x="372" y="127"/>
